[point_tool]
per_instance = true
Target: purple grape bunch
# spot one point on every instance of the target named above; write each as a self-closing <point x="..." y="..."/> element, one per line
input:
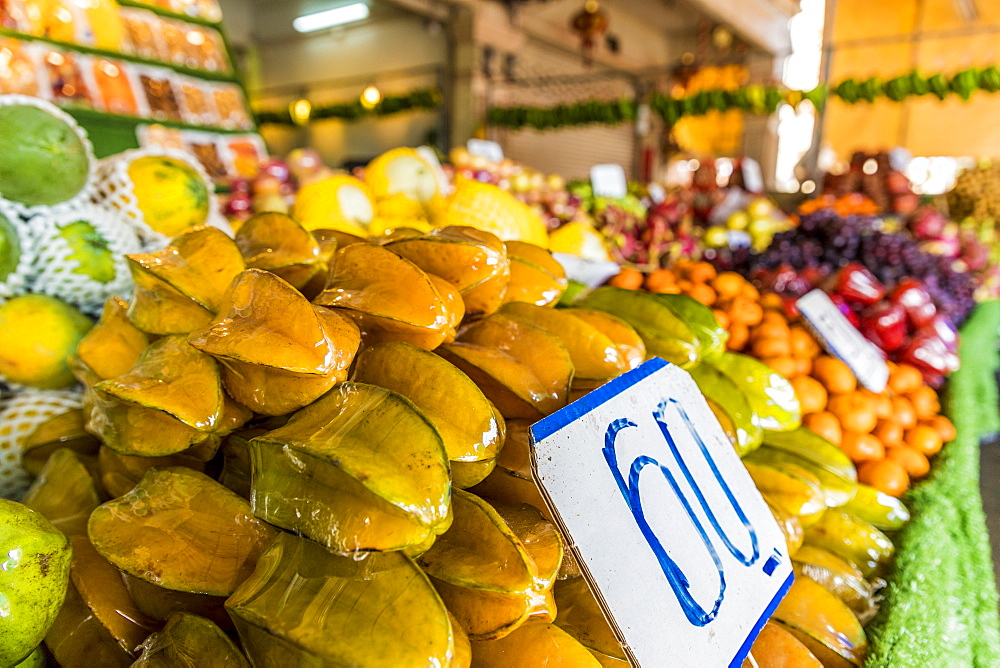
<point x="825" y="241"/>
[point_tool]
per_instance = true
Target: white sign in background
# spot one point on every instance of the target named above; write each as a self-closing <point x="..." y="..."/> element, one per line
<point x="608" y="181"/>
<point x="486" y="148"/>
<point x="843" y="340"/>
<point x="671" y="533"/>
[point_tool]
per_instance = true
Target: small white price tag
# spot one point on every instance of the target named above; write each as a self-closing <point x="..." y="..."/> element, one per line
<point x="673" y="537"/>
<point x="486" y="148"/>
<point x="753" y="177"/>
<point x="608" y="181"/>
<point x="843" y="340"/>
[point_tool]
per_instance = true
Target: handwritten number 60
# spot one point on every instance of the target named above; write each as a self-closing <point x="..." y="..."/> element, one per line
<point x="679" y="583"/>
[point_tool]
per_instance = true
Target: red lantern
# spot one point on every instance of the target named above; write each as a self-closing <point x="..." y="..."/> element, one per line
<point x="590" y="23"/>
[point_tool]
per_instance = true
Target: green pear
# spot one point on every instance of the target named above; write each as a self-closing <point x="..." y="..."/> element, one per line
<point x="90" y="250"/>
<point x="10" y="249"/>
<point x="34" y="573"/>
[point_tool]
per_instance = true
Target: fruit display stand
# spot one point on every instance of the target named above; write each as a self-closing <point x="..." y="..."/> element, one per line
<point x="940" y="607"/>
<point x="135" y="74"/>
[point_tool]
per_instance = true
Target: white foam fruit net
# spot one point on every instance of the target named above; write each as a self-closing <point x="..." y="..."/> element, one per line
<point x="19" y="417"/>
<point x="87" y="191"/>
<point x="18" y="281"/>
<point x="114" y="189"/>
<point x="59" y="270"/>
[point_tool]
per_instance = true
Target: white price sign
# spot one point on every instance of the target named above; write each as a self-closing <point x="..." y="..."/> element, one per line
<point x="608" y="181"/>
<point x="673" y="537"/>
<point x="486" y="148"/>
<point x="843" y="340"/>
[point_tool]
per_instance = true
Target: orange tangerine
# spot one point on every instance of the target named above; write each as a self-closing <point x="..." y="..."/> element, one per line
<point x="803" y="343"/>
<point x="925" y="402"/>
<point x="854" y="410"/>
<point x="659" y="279"/>
<point x="783" y="364"/>
<point x="745" y="310"/>
<point x="944" y="427"/>
<point x="889" y="432"/>
<point x="630" y="279"/>
<point x="772" y="302"/>
<point x="721" y="317"/>
<point x="862" y="447"/>
<point x="836" y="376"/>
<point x="904" y="378"/>
<point x="887" y="476"/>
<point x="826" y="425"/>
<point x="701" y="272"/>
<point x="914" y="461"/>
<point x="702" y="293"/>
<point x="811" y="393"/>
<point x="924" y="438"/>
<point x="767" y="346"/>
<point x="738" y="335"/>
<point x="728" y="284"/>
<point x="903" y="413"/>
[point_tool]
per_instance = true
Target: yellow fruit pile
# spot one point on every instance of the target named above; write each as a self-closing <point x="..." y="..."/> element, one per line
<point x="292" y="413"/>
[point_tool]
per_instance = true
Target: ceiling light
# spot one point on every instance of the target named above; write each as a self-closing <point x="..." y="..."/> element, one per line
<point x="300" y="111"/>
<point x="356" y="11"/>
<point x="370" y="97"/>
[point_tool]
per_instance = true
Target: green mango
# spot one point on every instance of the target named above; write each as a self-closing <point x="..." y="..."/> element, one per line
<point x="90" y="251"/>
<point x="809" y="445"/>
<point x="701" y="320"/>
<point x="664" y="333"/>
<point x="770" y="394"/>
<point x="839" y="577"/>
<point x="34" y="575"/>
<point x="10" y="249"/>
<point x="853" y="540"/>
<point x="878" y="509"/>
<point x="44" y="161"/>
<point x="837" y="489"/>
<point x="724" y="395"/>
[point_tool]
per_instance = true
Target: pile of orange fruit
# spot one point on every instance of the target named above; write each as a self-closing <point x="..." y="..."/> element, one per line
<point x="844" y="205"/>
<point x="890" y="436"/>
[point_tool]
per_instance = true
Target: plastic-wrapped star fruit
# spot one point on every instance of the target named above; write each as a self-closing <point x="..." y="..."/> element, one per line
<point x="277" y="243"/>
<point x="360" y="469"/>
<point x="181" y="287"/>
<point x="390" y="298"/>
<point x="495" y="567"/>
<point x="277" y="351"/>
<point x="170" y="400"/>
<point x="305" y="606"/>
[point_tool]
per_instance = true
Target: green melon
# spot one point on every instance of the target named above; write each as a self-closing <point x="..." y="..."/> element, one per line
<point x="42" y="159"/>
<point x="10" y="249"/>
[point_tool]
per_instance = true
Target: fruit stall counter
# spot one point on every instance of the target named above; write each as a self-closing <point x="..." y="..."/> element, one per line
<point x="940" y="607"/>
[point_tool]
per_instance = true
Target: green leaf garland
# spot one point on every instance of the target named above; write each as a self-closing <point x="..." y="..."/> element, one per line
<point x="426" y="99"/>
<point x="753" y="98"/>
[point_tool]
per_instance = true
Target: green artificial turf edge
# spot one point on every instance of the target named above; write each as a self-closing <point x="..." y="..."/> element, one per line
<point x="940" y="607"/>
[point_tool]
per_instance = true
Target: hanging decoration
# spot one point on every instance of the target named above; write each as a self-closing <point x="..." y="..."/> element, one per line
<point x="590" y="24"/>
<point x="753" y="99"/>
<point x="424" y="99"/>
